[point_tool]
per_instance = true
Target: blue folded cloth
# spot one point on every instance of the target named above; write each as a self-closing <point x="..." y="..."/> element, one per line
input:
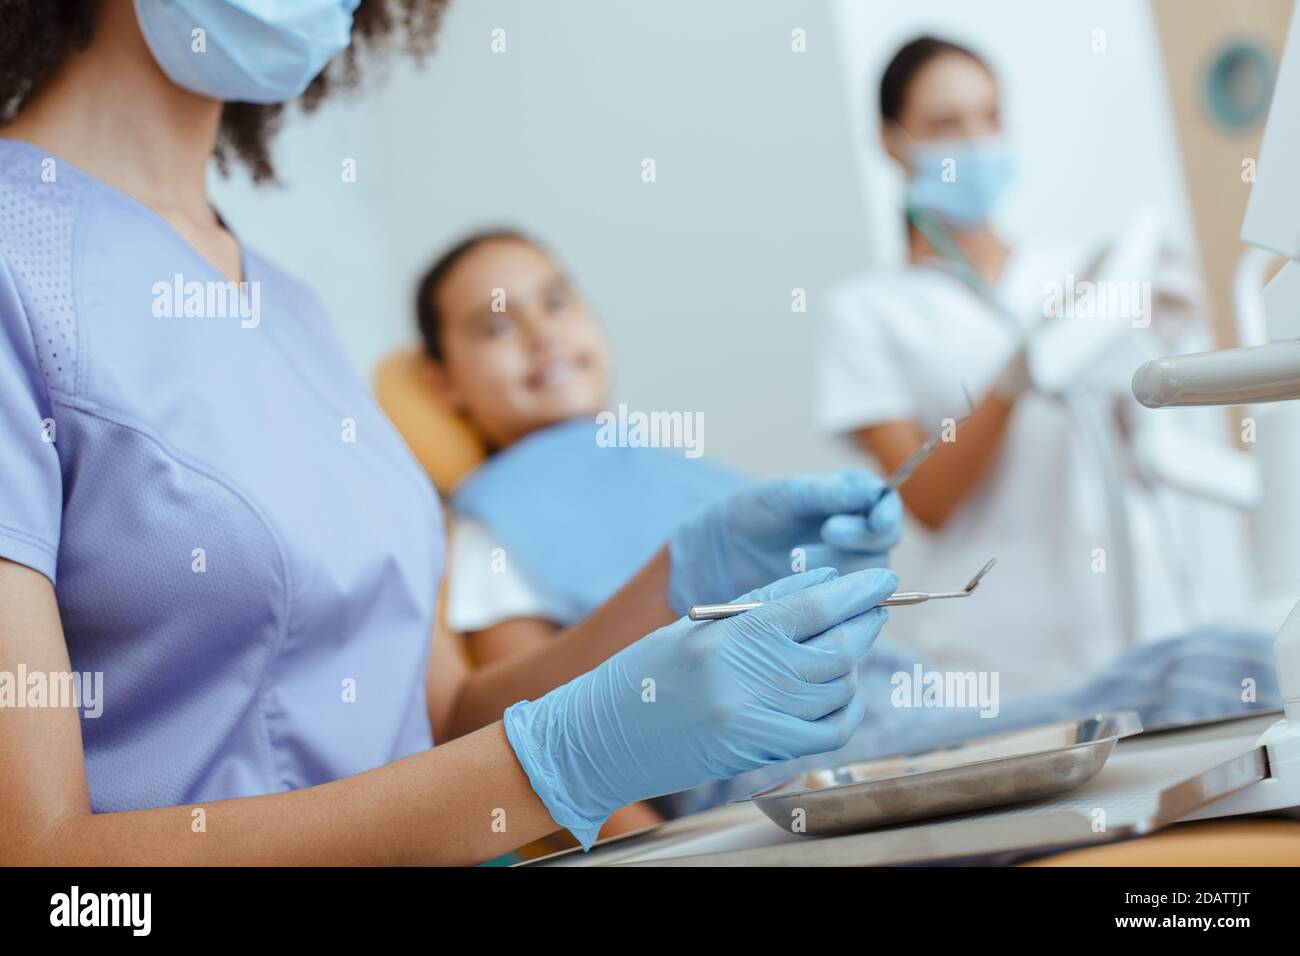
<point x="581" y="516"/>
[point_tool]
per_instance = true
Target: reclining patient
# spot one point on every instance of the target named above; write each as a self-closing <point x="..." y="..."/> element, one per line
<point x="560" y="515"/>
<point x="555" y="520"/>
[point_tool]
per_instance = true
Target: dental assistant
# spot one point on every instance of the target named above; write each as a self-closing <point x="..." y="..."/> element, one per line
<point x="899" y="348"/>
<point x="182" y="515"/>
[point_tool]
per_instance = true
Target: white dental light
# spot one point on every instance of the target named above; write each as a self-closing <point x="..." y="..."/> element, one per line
<point x="1262" y="373"/>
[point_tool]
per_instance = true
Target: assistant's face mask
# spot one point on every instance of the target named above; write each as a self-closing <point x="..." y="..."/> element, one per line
<point x="959" y="180"/>
<point x="246" y="51"/>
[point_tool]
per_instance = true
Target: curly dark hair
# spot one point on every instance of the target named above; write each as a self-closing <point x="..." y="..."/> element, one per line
<point x="35" y="34"/>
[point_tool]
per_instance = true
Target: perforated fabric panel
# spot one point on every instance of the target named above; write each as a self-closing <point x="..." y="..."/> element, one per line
<point x="175" y="662"/>
<point x="37" y="227"/>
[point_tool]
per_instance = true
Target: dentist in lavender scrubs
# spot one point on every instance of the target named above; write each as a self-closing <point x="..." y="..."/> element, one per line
<point x="181" y="517"/>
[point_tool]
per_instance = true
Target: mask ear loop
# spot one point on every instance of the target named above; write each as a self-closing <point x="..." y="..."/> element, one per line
<point x="907" y="145"/>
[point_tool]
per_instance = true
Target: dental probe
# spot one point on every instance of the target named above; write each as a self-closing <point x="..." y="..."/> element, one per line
<point x="715" y="612"/>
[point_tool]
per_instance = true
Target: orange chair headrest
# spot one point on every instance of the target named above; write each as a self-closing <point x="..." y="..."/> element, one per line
<point x="443" y="442"/>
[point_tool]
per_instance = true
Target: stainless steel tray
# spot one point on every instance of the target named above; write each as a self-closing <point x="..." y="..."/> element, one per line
<point x="974" y="774"/>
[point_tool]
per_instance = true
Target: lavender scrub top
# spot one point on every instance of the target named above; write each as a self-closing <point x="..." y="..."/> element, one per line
<point x="239" y="541"/>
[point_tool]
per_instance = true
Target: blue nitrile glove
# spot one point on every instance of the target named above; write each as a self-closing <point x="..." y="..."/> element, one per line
<point x="694" y="702"/>
<point x="767" y="530"/>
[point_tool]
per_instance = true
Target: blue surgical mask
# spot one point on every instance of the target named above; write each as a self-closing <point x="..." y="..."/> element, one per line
<point x="959" y="180"/>
<point x="246" y="51"/>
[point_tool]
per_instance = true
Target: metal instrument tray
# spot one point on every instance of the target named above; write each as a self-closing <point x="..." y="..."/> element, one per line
<point x="1010" y="767"/>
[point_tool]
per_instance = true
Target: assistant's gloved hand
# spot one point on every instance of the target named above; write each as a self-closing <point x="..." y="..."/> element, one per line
<point x="700" y="701"/>
<point x="755" y="535"/>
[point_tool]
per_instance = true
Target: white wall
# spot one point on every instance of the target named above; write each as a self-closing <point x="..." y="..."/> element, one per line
<point x="765" y="181"/>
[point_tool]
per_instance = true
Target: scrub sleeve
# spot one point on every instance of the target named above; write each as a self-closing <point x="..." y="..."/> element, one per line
<point x="30" y="507"/>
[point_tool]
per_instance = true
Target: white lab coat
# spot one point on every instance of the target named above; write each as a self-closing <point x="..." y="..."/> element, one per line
<point x="899" y="345"/>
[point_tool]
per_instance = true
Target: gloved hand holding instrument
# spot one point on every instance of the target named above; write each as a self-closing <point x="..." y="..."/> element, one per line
<point x="847" y="520"/>
<point x="714" y="612"/>
<point x="694" y="702"/>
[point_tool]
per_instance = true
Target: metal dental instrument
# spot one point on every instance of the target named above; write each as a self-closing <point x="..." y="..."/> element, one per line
<point x="715" y="612"/>
<point x="904" y="471"/>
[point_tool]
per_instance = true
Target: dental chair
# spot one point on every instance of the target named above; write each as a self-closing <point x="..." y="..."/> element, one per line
<point x="443" y="442"/>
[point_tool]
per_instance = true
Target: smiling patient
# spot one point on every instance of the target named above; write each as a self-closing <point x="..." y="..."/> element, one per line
<point x="517" y="353"/>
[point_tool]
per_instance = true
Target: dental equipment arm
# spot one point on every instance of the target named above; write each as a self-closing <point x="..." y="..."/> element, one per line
<point x="1264" y="373"/>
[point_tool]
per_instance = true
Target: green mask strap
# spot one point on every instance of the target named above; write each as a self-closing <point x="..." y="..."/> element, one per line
<point x="935" y="233"/>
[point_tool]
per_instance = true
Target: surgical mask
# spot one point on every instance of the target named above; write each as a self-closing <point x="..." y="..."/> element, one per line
<point x="246" y="51"/>
<point x="959" y="180"/>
